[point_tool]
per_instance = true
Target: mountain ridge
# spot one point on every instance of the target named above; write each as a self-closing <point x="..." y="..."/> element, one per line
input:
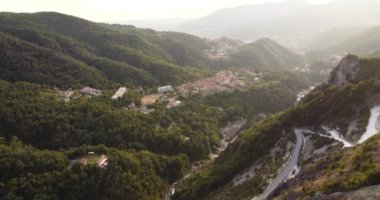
<point x="109" y="49"/>
<point x="305" y="20"/>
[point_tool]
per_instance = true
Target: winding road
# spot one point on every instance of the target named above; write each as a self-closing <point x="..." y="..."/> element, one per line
<point x="287" y="171"/>
<point x="372" y="126"/>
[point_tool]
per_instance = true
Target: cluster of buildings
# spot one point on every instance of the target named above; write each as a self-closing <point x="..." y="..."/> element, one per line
<point x="65" y="95"/>
<point x="222" y="81"/>
<point x="172" y="102"/>
<point x="221" y="48"/>
<point x="91" y="91"/>
<point x="225" y="80"/>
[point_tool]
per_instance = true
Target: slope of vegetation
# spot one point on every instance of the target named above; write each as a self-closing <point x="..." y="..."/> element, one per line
<point x="329" y="104"/>
<point x="34" y="114"/>
<point x="339" y="171"/>
<point x="29" y="173"/>
<point x="39" y="135"/>
<point x="122" y="54"/>
<point x="265" y="53"/>
<point x="20" y="60"/>
<point x="186" y="133"/>
<point x="277" y="91"/>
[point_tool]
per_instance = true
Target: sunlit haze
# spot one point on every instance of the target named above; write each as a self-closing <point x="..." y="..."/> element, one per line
<point x="113" y="10"/>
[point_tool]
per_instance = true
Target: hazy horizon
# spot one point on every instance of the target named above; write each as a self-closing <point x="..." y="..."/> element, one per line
<point x="118" y="10"/>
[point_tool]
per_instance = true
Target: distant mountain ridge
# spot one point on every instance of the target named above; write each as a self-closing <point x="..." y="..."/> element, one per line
<point x="274" y="20"/>
<point x="364" y="43"/>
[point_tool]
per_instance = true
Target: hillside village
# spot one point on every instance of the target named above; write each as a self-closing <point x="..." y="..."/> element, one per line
<point x="221" y="48"/>
<point x="225" y="80"/>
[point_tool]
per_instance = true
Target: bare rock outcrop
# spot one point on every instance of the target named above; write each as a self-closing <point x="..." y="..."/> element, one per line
<point x="345" y="71"/>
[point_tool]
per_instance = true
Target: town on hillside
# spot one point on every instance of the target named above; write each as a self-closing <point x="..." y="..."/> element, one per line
<point x="222" y="81"/>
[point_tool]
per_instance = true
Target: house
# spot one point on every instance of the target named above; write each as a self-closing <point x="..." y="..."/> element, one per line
<point x="91" y="91"/>
<point x="119" y="93"/>
<point x="163" y="89"/>
<point x="172" y="102"/>
<point x="65" y="96"/>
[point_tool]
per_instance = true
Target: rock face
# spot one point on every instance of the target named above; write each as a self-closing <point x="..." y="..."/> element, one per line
<point x="345" y="71"/>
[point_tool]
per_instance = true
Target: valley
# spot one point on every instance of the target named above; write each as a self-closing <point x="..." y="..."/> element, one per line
<point x="277" y="100"/>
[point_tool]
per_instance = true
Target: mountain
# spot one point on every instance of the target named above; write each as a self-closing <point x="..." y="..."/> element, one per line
<point x="332" y="119"/>
<point x="364" y="43"/>
<point x="21" y="60"/>
<point x="290" y="21"/>
<point x="265" y="54"/>
<point x="65" y="51"/>
<point x="340" y="41"/>
<point x="216" y="23"/>
<point x="56" y="47"/>
<point x="98" y="148"/>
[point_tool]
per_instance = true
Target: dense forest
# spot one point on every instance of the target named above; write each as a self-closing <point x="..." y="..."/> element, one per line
<point x="43" y="139"/>
<point x="29" y="173"/>
<point x="34" y="114"/>
<point x="75" y="52"/>
<point x="100" y="52"/>
<point x="166" y="138"/>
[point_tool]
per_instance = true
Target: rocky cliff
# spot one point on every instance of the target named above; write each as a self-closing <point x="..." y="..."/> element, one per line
<point x="345" y="71"/>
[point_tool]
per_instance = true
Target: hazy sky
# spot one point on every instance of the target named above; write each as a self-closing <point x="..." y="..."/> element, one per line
<point x="114" y="10"/>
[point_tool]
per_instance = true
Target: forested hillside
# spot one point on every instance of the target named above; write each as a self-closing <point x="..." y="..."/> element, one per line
<point x="58" y="141"/>
<point x="121" y="54"/>
<point x="265" y="54"/>
<point x="167" y="140"/>
<point x="30" y="173"/>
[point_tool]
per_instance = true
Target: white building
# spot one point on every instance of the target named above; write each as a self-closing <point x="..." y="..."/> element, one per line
<point x="65" y="96"/>
<point x="91" y="91"/>
<point x="163" y="89"/>
<point x="172" y="103"/>
<point x="119" y="93"/>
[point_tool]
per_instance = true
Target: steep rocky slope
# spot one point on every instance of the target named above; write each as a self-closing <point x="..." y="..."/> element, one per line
<point x="335" y="113"/>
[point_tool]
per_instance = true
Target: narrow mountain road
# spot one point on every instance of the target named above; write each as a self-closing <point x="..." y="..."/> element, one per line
<point x="287" y="171"/>
<point x="373" y="126"/>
